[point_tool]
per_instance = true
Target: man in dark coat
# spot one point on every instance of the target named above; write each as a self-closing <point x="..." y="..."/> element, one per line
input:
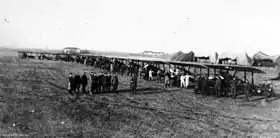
<point x="84" y="82"/>
<point x="71" y="84"/>
<point x="95" y="79"/>
<point x="133" y="83"/>
<point x="92" y="86"/>
<point x="167" y="79"/>
<point x="197" y="83"/>
<point x="108" y="82"/>
<point x="77" y="80"/>
<point x="204" y="85"/>
<point x="99" y="82"/>
<point x="115" y="83"/>
<point x="104" y="82"/>
<point x="246" y="89"/>
<point x="233" y="88"/>
<point x="218" y="84"/>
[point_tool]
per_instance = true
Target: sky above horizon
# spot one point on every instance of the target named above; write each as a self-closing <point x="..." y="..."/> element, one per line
<point x="202" y="26"/>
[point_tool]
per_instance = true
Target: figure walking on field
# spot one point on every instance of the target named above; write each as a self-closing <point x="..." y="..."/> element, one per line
<point x="166" y="79"/>
<point x="108" y="82"/>
<point x="77" y="80"/>
<point x="150" y="75"/>
<point x="158" y="76"/>
<point x="133" y="84"/>
<point x="182" y="82"/>
<point x="187" y="80"/>
<point x="90" y="86"/>
<point x="233" y="88"/>
<point x="246" y="89"/>
<point x="71" y="84"/>
<point x="115" y="83"/>
<point x="84" y="81"/>
<point x="218" y="85"/>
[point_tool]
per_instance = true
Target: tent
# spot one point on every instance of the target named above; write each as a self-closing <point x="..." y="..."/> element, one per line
<point x="214" y="58"/>
<point x="238" y="58"/>
<point x="262" y="59"/>
<point x="181" y="56"/>
<point x="175" y="56"/>
<point x="187" y="57"/>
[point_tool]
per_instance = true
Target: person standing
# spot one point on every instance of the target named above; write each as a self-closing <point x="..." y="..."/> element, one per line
<point x="84" y="81"/>
<point x="158" y="75"/>
<point x="99" y="82"/>
<point x="91" y="83"/>
<point x="167" y="79"/>
<point x="187" y="80"/>
<point x="139" y="72"/>
<point x="77" y="80"/>
<point x="182" y="82"/>
<point x="150" y="74"/>
<point x="246" y="89"/>
<point x="233" y="88"/>
<point x="111" y="67"/>
<point x="133" y="84"/>
<point x="104" y="82"/>
<point x="204" y="85"/>
<point x="71" y="84"/>
<point x="108" y="82"/>
<point x="96" y="83"/>
<point x="197" y="84"/>
<point x="218" y="84"/>
<point x="115" y="83"/>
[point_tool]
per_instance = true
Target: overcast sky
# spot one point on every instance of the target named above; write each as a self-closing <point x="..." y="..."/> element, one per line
<point x="137" y="25"/>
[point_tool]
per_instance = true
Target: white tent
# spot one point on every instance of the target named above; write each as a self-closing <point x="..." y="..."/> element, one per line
<point x="214" y="58"/>
<point x="241" y="58"/>
<point x="262" y="56"/>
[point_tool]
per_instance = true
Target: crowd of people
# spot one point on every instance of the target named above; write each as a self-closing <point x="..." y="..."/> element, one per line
<point x="95" y="83"/>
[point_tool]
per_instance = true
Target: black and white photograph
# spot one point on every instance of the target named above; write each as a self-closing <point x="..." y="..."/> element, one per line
<point x="139" y="68"/>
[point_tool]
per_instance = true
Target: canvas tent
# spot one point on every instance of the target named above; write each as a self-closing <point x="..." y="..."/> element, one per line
<point x="262" y="59"/>
<point x="181" y="56"/>
<point x="238" y="58"/>
<point x="187" y="57"/>
<point x="175" y="56"/>
<point x="214" y="58"/>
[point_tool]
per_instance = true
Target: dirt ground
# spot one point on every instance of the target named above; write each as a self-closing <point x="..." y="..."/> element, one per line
<point x="34" y="101"/>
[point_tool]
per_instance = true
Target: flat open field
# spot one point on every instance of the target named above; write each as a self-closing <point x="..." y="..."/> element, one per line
<point x="34" y="101"/>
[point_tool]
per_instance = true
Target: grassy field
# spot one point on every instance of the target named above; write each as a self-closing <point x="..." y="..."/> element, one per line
<point x="34" y="101"/>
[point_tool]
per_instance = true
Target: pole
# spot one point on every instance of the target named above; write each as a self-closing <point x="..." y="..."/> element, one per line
<point x="252" y="78"/>
<point x="245" y="76"/>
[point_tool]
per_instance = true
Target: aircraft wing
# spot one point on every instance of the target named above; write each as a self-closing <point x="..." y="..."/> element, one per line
<point x="191" y="64"/>
<point x="234" y="67"/>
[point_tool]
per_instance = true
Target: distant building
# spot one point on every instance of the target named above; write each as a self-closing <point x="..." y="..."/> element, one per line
<point x="153" y="53"/>
<point x="71" y="50"/>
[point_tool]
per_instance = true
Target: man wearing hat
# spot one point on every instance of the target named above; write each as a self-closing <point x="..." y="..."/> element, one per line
<point x="115" y="83"/>
<point x="71" y="84"/>
<point x="133" y="83"/>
